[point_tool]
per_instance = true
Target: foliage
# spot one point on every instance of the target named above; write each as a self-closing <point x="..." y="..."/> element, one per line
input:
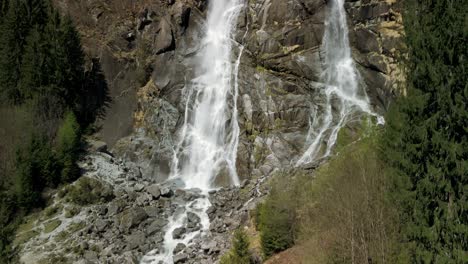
<point x="276" y="217"/>
<point x="426" y="139"/>
<point x="35" y="167"/>
<point x="68" y="144"/>
<point x="88" y="191"/>
<point x="346" y="211"/>
<point x="44" y="103"/>
<point x="338" y="214"/>
<point x="239" y="253"/>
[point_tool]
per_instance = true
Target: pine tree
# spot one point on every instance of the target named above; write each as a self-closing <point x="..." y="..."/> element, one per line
<point x="241" y="247"/>
<point x="427" y="138"/>
<point x="22" y="15"/>
<point x="14" y="31"/>
<point x="34" y="71"/>
<point x="35" y="164"/>
<point x="3" y="9"/>
<point x="73" y="62"/>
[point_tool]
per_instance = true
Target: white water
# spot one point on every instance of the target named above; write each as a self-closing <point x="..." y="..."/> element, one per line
<point x="342" y="95"/>
<point x="209" y="136"/>
<point x="210" y="132"/>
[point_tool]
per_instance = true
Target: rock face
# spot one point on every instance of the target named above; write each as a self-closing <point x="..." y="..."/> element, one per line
<point x="146" y="52"/>
<point x="147" y="55"/>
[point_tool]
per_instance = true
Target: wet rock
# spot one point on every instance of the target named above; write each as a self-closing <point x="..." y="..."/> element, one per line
<point x="180" y="258"/>
<point x="211" y="212"/>
<point x="179" y="232"/>
<point x="156" y="226"/>
<point x="193" y="221"/>
<point x="179" y="248"/>
<point x="167" y="192"/>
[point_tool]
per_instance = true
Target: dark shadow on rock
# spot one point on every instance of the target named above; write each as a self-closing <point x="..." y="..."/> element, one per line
<point x="96" y="99"/>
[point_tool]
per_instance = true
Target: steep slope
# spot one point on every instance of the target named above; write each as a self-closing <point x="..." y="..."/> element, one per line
<point x="147" y="52"/>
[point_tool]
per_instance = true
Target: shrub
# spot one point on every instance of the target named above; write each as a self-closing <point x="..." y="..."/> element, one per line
<point x="276" y="217"/>
<point x="68" y="144"/>
<point x="239" y="253"/>
<point x="88" y="191"/>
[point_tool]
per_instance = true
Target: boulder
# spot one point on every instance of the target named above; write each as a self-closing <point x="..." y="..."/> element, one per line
<point x="167" y="192"/>
<point x="164" y="40"/>
<point x="180" y="258"/>
<point x="139" y="187"/>
<point x="135" y="240"/>
<point x="156" y="226"/>
<point x="132" y="217"/>
<point x="193" y="221"/>
<point x="154" y="190"/>
<point x="100" y="225"/>
<point x="179" y="248"/>
<point x="179" y="232"/>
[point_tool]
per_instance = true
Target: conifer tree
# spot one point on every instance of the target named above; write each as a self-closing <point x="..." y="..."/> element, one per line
<point x="22" y="15"/>
<point x="3" y="9"/>
<point x="427" y="138"/>
<point x="14" y="31"/>
<point x="33" y="70"/>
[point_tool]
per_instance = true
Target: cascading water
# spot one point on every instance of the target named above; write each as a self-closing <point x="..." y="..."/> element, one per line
<point x="209" y="135"/>
<point x="342" y="95"/>
<point x="210" y="132"/>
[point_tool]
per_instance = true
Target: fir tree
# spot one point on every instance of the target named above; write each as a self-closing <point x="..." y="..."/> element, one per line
<point x="427" y="138"/>
<point x="14" y="31"/>
<point x="3" y="9"/>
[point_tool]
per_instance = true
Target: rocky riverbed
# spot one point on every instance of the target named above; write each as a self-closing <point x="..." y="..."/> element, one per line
<point x="113" y="215"/>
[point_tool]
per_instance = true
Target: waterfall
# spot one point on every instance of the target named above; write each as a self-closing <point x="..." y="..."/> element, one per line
<point x="209" y="135"/>
<point x="342" y="95"/>
<point x="210" y="131"/>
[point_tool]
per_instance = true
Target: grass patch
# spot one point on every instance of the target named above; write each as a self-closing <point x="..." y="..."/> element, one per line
<point x="28" y="225"/>
<point x="25" y="237"/>
<point x="51" y="225"/>
<point x="72" y="228"/>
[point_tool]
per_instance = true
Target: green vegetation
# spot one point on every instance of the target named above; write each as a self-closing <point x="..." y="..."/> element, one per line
<point x="87" y="191"/>
<point x="239" y="253"/>
<point x="339" y="214"/>
<point x="46" y="101"/>
<point x="276" y="217"/>
<point x="51" y="225"/>
<point x="399" y="193"/>
<point x="426" y="139"/>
